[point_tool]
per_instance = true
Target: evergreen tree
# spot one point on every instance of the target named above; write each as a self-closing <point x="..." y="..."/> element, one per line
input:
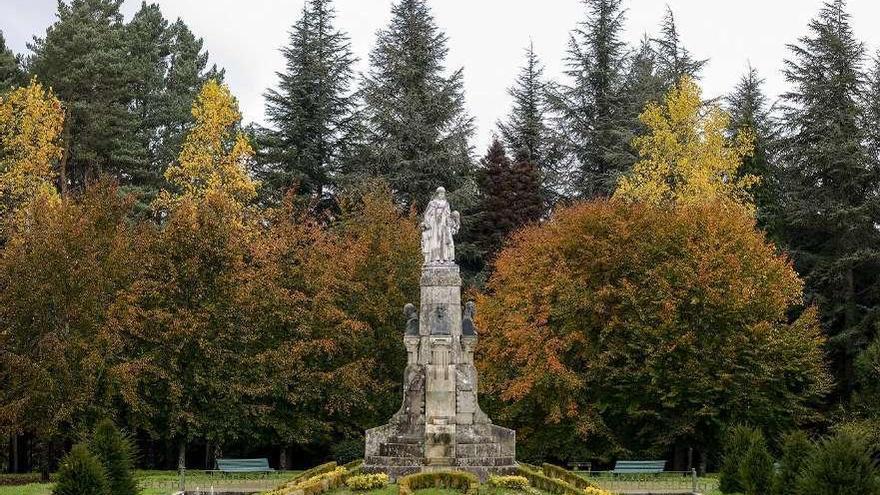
<point x="83" y="57"/>
<point x="80" y="473"/>
<point x="796" y="449"/>
<point x="186" y="73"/>
<point x="641" y="87"/>
<point x="417" y="128"/>
<point x="525" y="132"/>
<point x="831" y="205"/>
<point x="589" y="110"/>
<point x="756" y="468"/>
<point x="148" y="38"/>
<point x="737" y="443"/>
<point x="11" y="73"/>
<point x="750" y="113"/>
<point x="674" y="61"/>
<point x="509" y="198"/>
<point x="841" y="465"/>
<point x="872" y="112"/>
<point x="116" y="452"/>
<point x="312" y="110"/>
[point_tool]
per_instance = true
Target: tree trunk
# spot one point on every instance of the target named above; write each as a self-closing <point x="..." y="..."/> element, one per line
<point x="704" y="463"/>
<point x="282" y="459"/>
<point x="181" y="455"/>
<point x="14" y="465"/>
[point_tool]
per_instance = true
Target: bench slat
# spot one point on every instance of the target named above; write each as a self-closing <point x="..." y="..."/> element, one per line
<point x="243" y="465"/>
<point x="639" y="467"/>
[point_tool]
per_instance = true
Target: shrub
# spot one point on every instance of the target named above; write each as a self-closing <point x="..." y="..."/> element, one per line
<point x="840" y="465"/>
<point x="756" y="468"/>
<point x="364" y="482"/>
<point x="116" y="453"/>
<point x="548" y="484"/>
<point x="322" y="478"/>
<point x="737" y="443"/>
<point x="567" y="476"/>
<point x="81" y="473"/>
<point x="511" y="482"/>
<point x="456" y="480"/>
<point x="796" y="449"/>
<point x="596" y="491"/>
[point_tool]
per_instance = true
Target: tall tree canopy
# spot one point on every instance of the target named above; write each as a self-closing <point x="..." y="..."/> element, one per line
<point x="597" y="325"/>
<point x="589" y="107"/>
<point x="313" y="109"/>
<point x="831" y="201"/>
<point x="11" y="73"/>
<point x="750" y="117"/>
<point x="417" y="126"/>
<point x="674" y="61"/>
<point x="686" y="155"/>
<point x="31" y="119"/>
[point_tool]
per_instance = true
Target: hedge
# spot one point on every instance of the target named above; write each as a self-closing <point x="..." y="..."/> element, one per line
<point x="364" y="482"/>
<point x="510" y="482"/>
<point x="457" y="480"/>
<point x="314" y="485"/>
<point x="545" y="483"/>
<point x="565" y="475"/>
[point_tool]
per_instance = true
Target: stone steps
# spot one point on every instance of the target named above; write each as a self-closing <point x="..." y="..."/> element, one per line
<point x="393" y="449"/>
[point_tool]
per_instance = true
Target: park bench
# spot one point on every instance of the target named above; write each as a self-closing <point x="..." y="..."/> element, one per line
<point x="639" y="467"/>
<point x="243" y="466"/>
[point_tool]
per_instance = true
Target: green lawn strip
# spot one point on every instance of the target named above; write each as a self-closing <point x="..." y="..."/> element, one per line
<point x="29" y="489"/>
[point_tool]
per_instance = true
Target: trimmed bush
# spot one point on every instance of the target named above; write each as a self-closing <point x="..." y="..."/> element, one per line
<point x="355" y="464"/>
<point x="81" y="473"/>
<point x="840" y="465"/>
<point x="738" y="441"/>
<point x="454" y="480"/>
<point x="756" y="468"/>
<point x="314" y="485"/>
<point x="596" y="491"/>
<point x="510" y="482"/>
<point x="116" y="453"/>
<point x="547" y="484"/>
<point x="363" y="482"/>
<point x="796" y="449"/>
<point x="567" y="476"/>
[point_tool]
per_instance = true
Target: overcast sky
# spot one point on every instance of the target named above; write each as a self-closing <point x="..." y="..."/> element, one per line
<point x="487" y="37"/>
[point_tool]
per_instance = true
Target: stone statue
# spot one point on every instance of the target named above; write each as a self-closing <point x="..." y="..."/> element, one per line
<point x="412" y="320"/>
<point x="439" y="224"/>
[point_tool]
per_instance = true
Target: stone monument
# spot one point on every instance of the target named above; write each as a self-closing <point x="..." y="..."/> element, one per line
<point x="440" y="424"/>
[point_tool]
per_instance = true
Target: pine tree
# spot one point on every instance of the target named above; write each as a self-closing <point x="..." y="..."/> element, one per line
<point x="312" y="110"/>
<point x="841" y="465"/>
<point x="11" y="73"/>
<point x="187" y="72"/>
<point x="148" y="38"/>
<point x="756" y="467"/>
<point x="525" y="131"/>
<point x="83" y="57"/>
<point x="674" y="61"/>
<point x="80" y="473"/>
<point x="589" y="110"/>
<point x="830" y="185"/>
<point x="417" y="126"/>
<point x="116" y="452"/>
<point x="749" y="112"/>
<point x="872" y="112"/>
<point x="796" y="449"/>
<point x="642" y="86"/>
<point x="510" y="197"/>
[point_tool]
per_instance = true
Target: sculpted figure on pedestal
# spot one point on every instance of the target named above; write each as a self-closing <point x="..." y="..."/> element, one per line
<point x="439" y="224"/>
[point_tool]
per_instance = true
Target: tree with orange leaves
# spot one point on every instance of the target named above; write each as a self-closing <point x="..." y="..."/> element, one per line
<point x="629" y="329"/>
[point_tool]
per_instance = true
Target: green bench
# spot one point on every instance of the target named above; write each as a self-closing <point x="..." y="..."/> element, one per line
<point x="639" y="467"/>
<point x="243" y="466"/>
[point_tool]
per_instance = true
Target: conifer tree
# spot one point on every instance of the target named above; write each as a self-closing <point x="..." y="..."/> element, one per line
<point x="749" y="113"/>
<point x="11" y="73"/>
<point x="642" y="86"/>
<point x="312" y="111"/>
<point x="796" y="449"/>
<point x="83" y="57"/>
<point x="417" y="128"/>
<point x="831" y="206"/>
<point x="872" y="112"/>
<point x="589" y="109"/>
<point x="525" y="130"/>
<point x="674" y="61"/>
<point x="116" y="452"/>
<point x="80" y="473"/>
<point x="510" y="197"/>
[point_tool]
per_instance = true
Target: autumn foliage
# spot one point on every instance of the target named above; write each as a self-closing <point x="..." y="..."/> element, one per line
<point x="627" y="328"/>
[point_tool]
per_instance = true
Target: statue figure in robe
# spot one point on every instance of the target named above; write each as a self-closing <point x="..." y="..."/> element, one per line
<point x="439" y="224"/>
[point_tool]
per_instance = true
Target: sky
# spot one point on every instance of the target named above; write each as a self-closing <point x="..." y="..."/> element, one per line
<point x="486" y="37"/>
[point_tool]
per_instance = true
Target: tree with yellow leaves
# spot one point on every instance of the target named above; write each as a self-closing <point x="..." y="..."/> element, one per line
<point x="214" y="153"/>
<point x="686" y="156"/>
<point x="31" y="120"/>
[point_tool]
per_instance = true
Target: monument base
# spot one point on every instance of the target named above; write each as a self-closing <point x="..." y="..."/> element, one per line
<point x="400" y="449"/>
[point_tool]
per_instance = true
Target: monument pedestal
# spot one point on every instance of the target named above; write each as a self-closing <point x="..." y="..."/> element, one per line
<point x="440" y="424"/>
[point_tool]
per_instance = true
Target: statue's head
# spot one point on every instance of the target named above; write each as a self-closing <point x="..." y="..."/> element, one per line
<point x="441" y="193"/>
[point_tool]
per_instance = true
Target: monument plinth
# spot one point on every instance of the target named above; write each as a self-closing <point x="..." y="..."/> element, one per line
<point x="440" y="424"/>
